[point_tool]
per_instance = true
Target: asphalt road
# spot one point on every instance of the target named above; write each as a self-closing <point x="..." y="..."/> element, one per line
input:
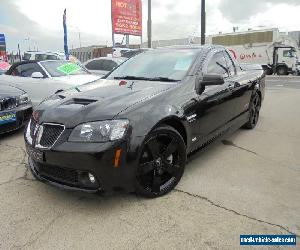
<point x="246" y="184"/>
<point x="284" y="81"/>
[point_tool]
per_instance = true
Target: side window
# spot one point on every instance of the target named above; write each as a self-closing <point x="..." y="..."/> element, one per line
<point x="95" y="65"/>
<point x="40" y="57"/>
<point x="26" y="70"/>
<point x="217" y="65"/>
<point x="230" y="64"/>
<point x="287" y="53"/>
<point x="51" y="57"/>
<point x="109" y="65"/>
<point x="26" y="56"/>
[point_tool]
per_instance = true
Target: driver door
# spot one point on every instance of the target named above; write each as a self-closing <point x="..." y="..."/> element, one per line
<point x="213" y="109"/>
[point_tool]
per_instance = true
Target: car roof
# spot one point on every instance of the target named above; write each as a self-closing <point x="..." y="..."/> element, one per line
<point x="37" y="61"/>
<point x="21" y="63"/>
<point x="44" y="52"/>
<point x="67" y="61"/>
<point x="115" y="59"/>
<point x="33" y="61"/>
<point x="193" y="46"/>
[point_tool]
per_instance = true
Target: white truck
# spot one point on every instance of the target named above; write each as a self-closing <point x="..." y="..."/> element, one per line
<point x="274" y="51"/>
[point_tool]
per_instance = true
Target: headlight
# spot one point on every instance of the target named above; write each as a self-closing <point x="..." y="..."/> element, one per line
<point x="24" y="99"/>
<point x="102" y="131"/>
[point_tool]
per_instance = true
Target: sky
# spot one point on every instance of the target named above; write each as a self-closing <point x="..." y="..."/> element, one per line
<point x="38" y="24"/>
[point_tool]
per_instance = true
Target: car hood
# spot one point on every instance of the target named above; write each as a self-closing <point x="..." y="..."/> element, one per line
<point x="9" y="91"/>
<point x="76" y="79"/>
<point x="39" y="89"/>
<point x="101" y="100"/>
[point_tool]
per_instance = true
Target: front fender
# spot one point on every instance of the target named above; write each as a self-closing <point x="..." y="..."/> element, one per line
<point x="148" y="117"/>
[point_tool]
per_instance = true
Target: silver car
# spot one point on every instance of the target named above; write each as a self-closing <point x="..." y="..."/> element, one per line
<point x="41" y="79"/>
<point x="103" y="65"/>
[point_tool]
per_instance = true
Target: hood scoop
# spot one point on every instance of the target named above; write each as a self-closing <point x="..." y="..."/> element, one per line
<point x="79" y="101"/>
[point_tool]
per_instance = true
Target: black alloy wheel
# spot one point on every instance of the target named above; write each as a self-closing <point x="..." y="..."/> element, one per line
<point x="254" y="110"/>
<point x="162" y="162"/>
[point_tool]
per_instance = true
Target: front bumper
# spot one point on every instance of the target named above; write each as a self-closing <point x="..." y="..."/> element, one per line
<point x="23" y="114"/>
<point x="67" y="165"/>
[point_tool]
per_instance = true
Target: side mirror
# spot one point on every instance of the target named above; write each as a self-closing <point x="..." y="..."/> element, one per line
<point x="208" y="80"/>
<point x="37" y="75"/>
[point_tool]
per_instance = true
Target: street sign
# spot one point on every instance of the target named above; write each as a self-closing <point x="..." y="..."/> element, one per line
<point x="127" y="17"/>
<point x="68" y="68"/>
<point x="2" y="40"/>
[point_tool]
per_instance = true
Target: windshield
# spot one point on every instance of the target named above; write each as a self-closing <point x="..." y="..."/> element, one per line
<point x="157" y="64"/>
<point x="63" y="68"/>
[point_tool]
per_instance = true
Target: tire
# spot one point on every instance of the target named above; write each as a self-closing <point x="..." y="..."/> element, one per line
<point x="268" y="71"/>
<point x="254" y="109"/>
<point x="162" y="162"/>
<point x="282" y="71"/>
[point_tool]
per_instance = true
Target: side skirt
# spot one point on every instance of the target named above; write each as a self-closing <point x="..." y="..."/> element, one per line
<point x="221" y="133"/>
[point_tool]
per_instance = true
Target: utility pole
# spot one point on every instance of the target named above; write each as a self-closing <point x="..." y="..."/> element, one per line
<point x="149" y="25"/>
<point x="127" y="41"/>
<point x="235" y="29"/>
<point x="112" y="26"/>
<point x="19" y="53"/>
<point x="79" y="37"/>
<point x="28" y="40"/>
<point x="203" y="22"/>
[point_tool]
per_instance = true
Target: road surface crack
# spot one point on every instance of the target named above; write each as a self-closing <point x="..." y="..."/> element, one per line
<point x="40" y="233"/>
<point x="26" y="175"/>
<point x="235" y="212"/>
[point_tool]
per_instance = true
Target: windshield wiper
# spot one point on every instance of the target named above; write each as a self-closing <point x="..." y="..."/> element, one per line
<point x="161" y="79"/>
<point x="132" y="78"/>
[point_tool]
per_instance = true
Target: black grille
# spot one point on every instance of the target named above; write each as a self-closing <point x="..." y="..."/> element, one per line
<point x="8" y="103"/>
<point x="50" y="134"/>
<point x="60" y="174"/>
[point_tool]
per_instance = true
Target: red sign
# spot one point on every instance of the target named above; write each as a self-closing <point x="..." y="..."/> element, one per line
<point x="4" y="65"/>
<point x="127" y="17"/>
<point x="3" y="56"/>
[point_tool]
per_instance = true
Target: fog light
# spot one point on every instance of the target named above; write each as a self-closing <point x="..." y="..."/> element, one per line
<point x="92" y="178"/>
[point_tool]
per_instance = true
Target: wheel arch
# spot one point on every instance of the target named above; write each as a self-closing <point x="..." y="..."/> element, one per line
<point x="282" y="65"/>
<point x="257" y="89"/>
<point x="175" y="123"/>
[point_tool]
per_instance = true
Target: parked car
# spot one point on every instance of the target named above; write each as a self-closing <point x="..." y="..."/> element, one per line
<point x="133" y="130"/>
<point x="15" y="108"/>
<point x="42" y="55"/>
<point x="298" y="68"/>
<point x="134" y="52"/>
<point x="43" y="78"/>
<point x="117" y="52"/>
<point x="103" y="65"/>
